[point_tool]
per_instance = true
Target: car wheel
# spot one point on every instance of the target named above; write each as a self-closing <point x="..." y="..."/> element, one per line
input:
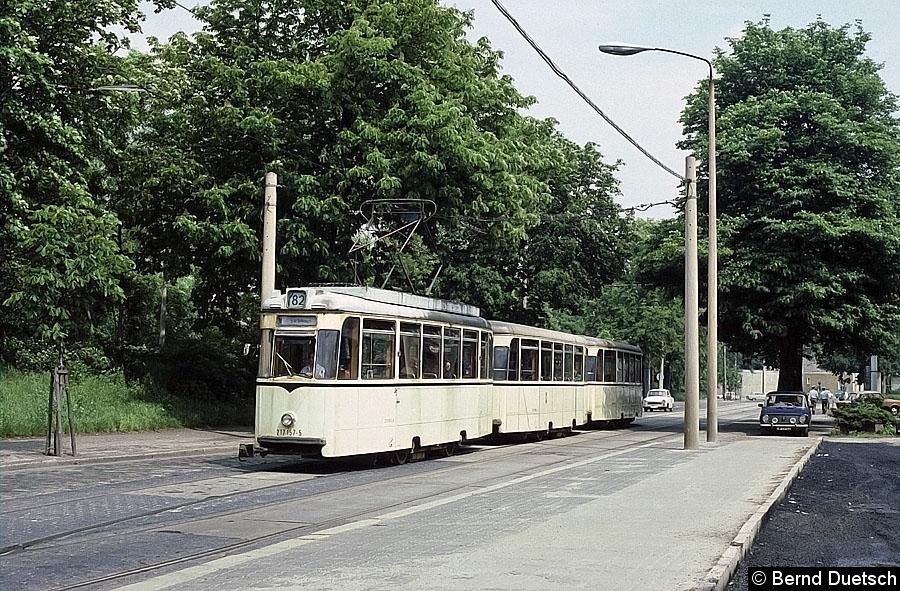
<point x="895" y="410"/>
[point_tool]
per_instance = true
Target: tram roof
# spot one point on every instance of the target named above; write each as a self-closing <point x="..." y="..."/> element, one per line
<point x="371" y="300"/>
<point x="500" y="327"/>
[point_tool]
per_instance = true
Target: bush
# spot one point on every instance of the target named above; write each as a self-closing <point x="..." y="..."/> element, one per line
<point x="863" y="416"/>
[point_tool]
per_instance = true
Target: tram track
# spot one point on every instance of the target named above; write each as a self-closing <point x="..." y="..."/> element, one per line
<point x="508" y="450"/>
<point x="310" y="529"/>
<point x="22" y="546"/>
<point x="518" y="449"/>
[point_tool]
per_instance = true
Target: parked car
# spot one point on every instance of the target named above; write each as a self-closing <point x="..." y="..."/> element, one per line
<point x="889" y="404"/>
<point x="785" y="411"/>
<point x="659" y="399"/>
<point x="843" y="398"/>
<point x="756" y="396"/>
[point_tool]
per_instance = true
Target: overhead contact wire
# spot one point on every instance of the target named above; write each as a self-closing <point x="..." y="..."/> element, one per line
<point x="579" y="92"/>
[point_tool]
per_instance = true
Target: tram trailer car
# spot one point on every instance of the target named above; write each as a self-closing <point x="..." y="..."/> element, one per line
<point x="347" y="371"/>
<point x="547" y="381"/>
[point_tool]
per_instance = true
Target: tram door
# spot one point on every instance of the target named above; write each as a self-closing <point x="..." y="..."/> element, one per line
<point x="377" y="404"/>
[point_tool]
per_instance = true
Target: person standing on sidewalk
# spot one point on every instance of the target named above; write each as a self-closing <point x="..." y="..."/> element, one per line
<point x="824" y="394"/>
<point x="813" y="399"/>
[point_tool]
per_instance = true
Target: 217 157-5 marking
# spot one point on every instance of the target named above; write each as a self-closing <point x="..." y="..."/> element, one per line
<point x="288" y="432"/>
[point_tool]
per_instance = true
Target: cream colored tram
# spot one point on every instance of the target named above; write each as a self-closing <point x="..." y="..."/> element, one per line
<point x="614" y="389"/>
<point x="347" y="371"/>
<point x="539" y="379"/>
<point x="547" y="381"/>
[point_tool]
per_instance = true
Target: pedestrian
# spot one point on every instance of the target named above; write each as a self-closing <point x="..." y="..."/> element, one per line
<point x="813" y="399"/>
<point x="824" y="395"/>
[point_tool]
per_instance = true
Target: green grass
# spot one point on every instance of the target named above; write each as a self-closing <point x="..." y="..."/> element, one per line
<point x="107" y="403"/>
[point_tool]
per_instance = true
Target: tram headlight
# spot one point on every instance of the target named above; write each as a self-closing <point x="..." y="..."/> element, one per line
<point x="287" y="419"/>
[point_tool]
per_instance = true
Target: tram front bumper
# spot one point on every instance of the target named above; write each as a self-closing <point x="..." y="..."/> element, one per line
<point x="304" y="446"/>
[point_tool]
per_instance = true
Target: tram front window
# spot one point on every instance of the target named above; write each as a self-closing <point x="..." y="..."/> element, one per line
<point x="293" y="356"/>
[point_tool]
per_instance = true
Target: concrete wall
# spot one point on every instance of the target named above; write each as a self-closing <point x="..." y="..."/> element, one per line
<point x="752" y="381"/>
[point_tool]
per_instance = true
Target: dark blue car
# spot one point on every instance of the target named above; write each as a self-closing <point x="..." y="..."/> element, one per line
<point x="785" y="411"/>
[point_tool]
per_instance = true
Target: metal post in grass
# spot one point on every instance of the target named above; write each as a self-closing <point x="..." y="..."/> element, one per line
<point x="64" y="385"/>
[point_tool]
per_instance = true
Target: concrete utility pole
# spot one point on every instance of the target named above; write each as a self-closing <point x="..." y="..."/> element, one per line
<point x="269" y="219"/>
<point x="712" y="294"/>
<point x="662" y="371"/>
<point x="691" y="315"/>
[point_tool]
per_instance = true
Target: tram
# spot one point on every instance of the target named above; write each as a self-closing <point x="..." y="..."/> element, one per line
<point x="346" y="371"/>
<point x="360" y="371"/>
<point x="547" y="381"/>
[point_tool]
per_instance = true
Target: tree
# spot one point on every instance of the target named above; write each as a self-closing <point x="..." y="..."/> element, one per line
<point x="808" y="206"/>
<point x="346" y="101"/>
<point x="61" y="264"/>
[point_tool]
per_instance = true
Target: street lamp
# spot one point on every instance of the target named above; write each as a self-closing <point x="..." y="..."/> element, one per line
<point x="712" y="311"/>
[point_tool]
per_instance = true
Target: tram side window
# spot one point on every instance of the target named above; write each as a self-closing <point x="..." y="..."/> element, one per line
<point x="513" y="373"/>
<point x="501" y="356"/>
<point x="590" y="368"/>
<point x="546" y="361"/>
<point x="292" y="354"/>
<point x="348" y="356"/>
<point x="431" y="352"/>
<point x="326" y="355"/>
<point x="470" y="354"/>
<point x="569" y="359"/>
<point x="620" y="366"/>
<point x="557" y="362"/>
<point x="579" y="364"/>
<point x="609" y="366"/>
<point x="529" y="366"/>
<point x="451" y="353"/>
<point x="486" y="342"/>
<point x="410" y="339"/>
<point x="378" y="349"/>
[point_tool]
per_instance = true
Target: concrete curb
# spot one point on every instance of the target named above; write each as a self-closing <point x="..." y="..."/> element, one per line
<point x="47" y="461"/>
<point x="720" y="574"/>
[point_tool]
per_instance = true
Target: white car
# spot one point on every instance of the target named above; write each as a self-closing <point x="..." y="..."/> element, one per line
<point x="756" y="396"/>
<point x="659" y="399"/>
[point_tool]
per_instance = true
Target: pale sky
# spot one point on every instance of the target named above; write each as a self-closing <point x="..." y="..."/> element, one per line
<point x="643" y="93"/>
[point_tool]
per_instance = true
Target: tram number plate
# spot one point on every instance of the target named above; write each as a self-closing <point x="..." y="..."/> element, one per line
<point x="288" y="432"/>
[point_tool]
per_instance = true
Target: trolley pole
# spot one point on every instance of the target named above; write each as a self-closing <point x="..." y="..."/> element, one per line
<point x="269" y="219"/>
<point x="691" y="313"/>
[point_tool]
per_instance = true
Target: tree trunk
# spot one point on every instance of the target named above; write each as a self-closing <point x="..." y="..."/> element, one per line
<point x="790" y="367"/>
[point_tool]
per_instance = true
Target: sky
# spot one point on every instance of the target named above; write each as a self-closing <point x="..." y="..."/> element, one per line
<point x="643" y="93"/>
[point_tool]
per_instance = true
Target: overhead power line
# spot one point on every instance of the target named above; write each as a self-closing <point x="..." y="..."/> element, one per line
<point x="578" y="91"/>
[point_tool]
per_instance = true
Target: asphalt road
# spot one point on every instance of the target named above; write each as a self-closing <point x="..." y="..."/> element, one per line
<point x="844" y="510"/>
<point x="84" y="522"/>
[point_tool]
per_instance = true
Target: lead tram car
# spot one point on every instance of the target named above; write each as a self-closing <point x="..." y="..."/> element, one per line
<point x="350" y="371"/>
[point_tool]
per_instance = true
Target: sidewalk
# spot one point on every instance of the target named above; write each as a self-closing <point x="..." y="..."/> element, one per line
<point x="111" y="447"/>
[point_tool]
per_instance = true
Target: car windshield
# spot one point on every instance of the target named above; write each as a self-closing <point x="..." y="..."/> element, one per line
<point x="656" y="393"/>
<point x="785" y="400"/>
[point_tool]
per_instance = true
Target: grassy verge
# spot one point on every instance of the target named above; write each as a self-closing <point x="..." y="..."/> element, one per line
<point x="107" y="403"/>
